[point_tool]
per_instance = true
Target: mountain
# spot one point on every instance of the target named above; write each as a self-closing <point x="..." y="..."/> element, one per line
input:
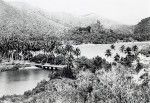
<point x="143" y="27"/>
<point x="71" y="20"/>
<point x="23" y="19"/>
<point x="15" y="20"/>
<point x="8" y="17"/>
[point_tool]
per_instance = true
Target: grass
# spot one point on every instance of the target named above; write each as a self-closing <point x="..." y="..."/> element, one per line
<point x="93" y="50"/>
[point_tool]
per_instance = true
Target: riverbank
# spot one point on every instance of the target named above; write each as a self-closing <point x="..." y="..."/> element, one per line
<point x="16" y="65"/>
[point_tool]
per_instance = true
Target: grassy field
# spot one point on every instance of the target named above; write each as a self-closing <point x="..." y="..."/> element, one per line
<point x="92" y="50"/>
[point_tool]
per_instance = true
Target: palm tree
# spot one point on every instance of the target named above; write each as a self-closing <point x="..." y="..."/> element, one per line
<point x="117" y="57"/>
<point x="128" y="50"/>
<point x="77" y="52"/>
<point x="112" y="46"/>
<point x="135" y="48"/>
<point x="122" y="48"/>
<point x="69" y="52"/>
<point x="97" y="61"/>
<point x="48" y="47"/>
<point x="108" y="52"/>
<point x="69" y="48"/>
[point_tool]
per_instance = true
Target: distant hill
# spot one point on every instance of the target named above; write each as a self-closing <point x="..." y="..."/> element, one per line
<point x="15" y="20"/>
<point x="68" y="20"/>
<point x="71" y="20"/>
<point x="110" y="24"/>
<point x="143" y="27"/>
<point x="8" y="17"/>
<point x="23" y="19"/>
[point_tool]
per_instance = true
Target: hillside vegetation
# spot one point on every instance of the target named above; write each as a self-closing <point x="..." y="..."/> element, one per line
<point x="143" y="27"/>
<point x="22" y="19"/>
<point x="97" y="33"/>
<point x="26" y="22"/>
<point x="125" y="80"/>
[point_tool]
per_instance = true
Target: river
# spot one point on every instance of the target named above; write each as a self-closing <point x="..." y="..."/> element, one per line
<point x="17" y="82"/>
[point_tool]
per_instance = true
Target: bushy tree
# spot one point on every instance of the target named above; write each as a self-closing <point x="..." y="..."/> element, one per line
<point x="128" y="51"/>
<point x="122" y="48"/>
<point x="77" y="52"/>
<point x="83" y="63"/>
<point x="108" y="53"/>
<point x="117" y="58"/>
<point x="97" y="62"/>
<point x="135" y="48"/>
<point x="112" y="46"/>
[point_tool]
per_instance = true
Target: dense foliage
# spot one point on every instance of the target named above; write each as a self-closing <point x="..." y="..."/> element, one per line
<point x="50" y="49"/>
<point x="97" y="81"/>
<point x="97" y="34"/>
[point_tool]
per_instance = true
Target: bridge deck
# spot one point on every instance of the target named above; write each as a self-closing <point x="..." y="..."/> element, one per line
<point x="50" y="67"/>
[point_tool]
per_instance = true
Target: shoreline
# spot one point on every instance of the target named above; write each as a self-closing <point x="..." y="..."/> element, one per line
<point x="17" y="65"/>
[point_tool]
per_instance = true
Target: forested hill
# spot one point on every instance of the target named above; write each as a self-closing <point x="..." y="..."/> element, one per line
<point x="72" y="21"/>
<point x="143" y="26"/>
<point x="20" y="18"/>
<point x="97" y="33"/>
<point x="22" y="21"/>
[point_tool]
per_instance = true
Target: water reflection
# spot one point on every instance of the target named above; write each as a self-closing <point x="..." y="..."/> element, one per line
<point x="22" y="75"/>
<point x="16" y="82"/>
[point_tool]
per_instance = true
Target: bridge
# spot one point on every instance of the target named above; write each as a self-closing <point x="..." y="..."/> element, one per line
<point x="51" y="67"/>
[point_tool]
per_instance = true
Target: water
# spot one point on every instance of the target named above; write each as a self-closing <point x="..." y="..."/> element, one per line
<point x="17" y="82"/>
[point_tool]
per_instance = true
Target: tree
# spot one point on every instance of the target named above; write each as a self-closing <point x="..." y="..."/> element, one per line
<point x="122" y="48"/>
<point x="139" y="66"/>
<point x="108" y="52"/>
<point x="112" y="46"/>
<point x="128" y="60"/>
<point x="135" y="48"/>
<point x="117" y="57"/>
<point x="69" y="48"/>
<point x="70" y="57"/>
<point x="128" y="51"/>
<point x="77" y="52"/>
<point x="97" y="62"/>
<point x="83" y="63"/>
<point x="68" y="73"/>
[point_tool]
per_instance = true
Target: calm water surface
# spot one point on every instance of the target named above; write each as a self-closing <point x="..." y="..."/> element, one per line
<point x="16" y="82"/>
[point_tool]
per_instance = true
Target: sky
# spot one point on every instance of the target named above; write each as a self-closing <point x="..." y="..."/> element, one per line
<point x="123" y="11"/>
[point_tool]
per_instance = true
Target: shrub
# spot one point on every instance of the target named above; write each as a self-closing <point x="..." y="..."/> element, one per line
<point x="93" y="65"/>
<point x="83" y="63"/>
<point x="59" y="60"/>
<point x="54" y="75"/>
<point x="16" y="67"/>
<point x="39" y="58"/>
<point x="139" y="66"/>
<point x="42" y="58"/>
<point x="112" y="46"/>
<point x="97" y="62"/>
<point x="107" y="66"/>
<point x="28" y="55"/>
<point x="28" y="93"/>
<point x="68" y="73"/>
<point x="65" y="72"/>
<point x="145" y="51"/>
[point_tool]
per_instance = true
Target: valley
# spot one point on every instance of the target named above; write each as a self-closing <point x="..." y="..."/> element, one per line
<point x="61" y="57"/>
